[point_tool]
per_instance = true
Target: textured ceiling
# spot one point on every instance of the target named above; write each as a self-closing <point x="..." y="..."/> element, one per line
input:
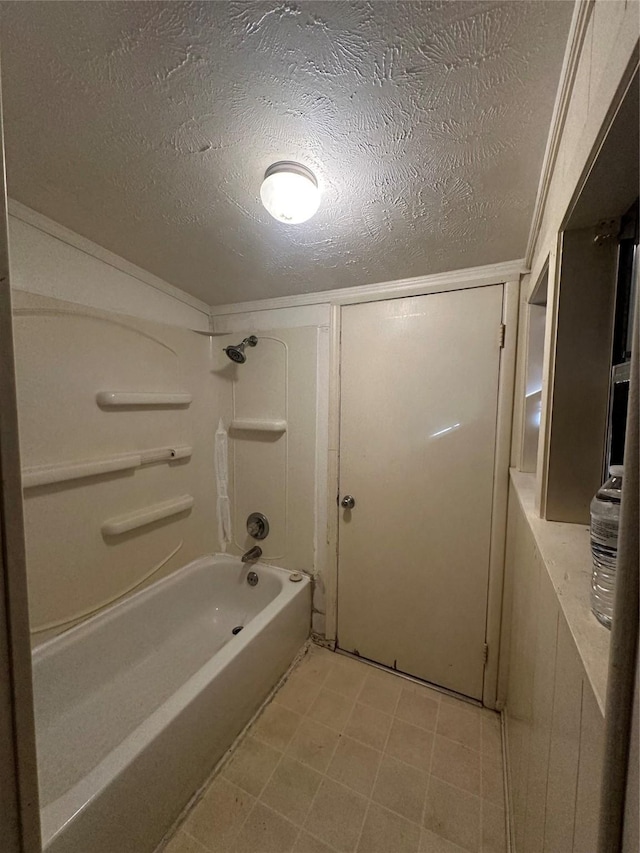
<point x="147" y="127"/>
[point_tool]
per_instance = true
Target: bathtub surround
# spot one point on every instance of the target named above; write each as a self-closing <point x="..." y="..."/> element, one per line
<point x="348" y="758"/>
<point x="272" y="442"/>
<point x="115" y="495"/>
<point x="175" y="690"/>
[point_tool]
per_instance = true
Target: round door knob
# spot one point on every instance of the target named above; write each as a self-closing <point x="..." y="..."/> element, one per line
<point x="348" y="502"/>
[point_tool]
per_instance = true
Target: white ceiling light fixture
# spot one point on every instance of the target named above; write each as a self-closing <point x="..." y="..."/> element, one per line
<point x="290" y="192"/>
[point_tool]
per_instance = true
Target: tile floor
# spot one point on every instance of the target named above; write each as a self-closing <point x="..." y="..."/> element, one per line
<point x="349" y="758"/>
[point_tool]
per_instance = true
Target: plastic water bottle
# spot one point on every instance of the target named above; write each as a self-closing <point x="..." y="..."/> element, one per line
<point x="605" y="520"/>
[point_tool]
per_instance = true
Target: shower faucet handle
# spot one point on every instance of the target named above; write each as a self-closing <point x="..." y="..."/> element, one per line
<point x="348" y="502"/>
<point x="258" y="526"/>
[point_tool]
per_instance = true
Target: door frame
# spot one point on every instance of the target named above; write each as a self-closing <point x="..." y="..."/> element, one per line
<point x="506" y="382"/>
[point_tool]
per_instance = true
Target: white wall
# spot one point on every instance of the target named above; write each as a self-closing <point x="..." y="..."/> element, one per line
<point x="555" y="728"/>
<point x="48" y="259"/>
<point x="554" y="705"/>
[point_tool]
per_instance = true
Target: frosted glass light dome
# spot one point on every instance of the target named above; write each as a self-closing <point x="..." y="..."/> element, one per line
<point x="290" y="192"/>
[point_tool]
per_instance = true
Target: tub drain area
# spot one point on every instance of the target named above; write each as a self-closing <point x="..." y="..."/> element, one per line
<point x="237" y="629"/>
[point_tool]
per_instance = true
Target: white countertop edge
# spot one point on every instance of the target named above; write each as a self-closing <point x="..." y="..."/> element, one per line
<point x="565" y="552"/>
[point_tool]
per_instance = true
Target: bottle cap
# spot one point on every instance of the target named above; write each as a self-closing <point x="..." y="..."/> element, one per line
<point x="616" y="470"/>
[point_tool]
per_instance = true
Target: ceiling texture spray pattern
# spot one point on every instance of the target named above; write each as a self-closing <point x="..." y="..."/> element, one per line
<point x="147" y="127"/>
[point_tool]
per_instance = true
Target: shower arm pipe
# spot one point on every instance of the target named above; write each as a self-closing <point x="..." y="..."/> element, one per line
<point x="43" y="475"/>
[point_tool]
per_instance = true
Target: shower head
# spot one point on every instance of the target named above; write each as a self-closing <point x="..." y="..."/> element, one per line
<point x="236" y="353"/>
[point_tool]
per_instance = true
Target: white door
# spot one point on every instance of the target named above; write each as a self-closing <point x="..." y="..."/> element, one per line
<point x="419" y="391"/>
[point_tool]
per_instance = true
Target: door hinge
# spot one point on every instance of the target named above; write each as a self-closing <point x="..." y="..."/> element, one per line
<point x="501" y="333"/>
<point x="485" y="653"/>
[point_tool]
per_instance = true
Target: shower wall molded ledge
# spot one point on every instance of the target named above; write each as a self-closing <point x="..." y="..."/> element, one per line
<point x="115" y="399"/>
<point x="124" y="523"/>
<point x="259" y="425"/>
<point x="42" y="475"/>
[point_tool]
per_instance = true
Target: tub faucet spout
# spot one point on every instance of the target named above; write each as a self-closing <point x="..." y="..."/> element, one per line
<point x="252" y="554"/>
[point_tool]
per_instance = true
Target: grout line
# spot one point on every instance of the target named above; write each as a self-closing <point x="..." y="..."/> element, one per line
<point x="315" y="838"/>
<point x="283" y="753"/>
<point x="433" y="747"/>
<point x="182" y="831"/>
<point x="256" y="797"/>
<point x="192" y="838"/>
<point x="304" y="763"/>
<point x="383" y="753"/>
<point x="505" y="782"/>
<point x="268" y="808"/>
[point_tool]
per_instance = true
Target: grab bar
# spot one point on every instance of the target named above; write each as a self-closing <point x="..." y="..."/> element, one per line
<point x="111" y="399"/>
<point x="140" y="518"/>
<point x="42" y="475"/>
<point x="259" y="424"/>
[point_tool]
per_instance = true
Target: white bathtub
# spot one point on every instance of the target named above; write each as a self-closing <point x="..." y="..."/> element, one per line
<point x="135" y="706"/>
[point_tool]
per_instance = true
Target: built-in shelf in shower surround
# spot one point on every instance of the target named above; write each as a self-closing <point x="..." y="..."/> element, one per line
<point x="114" y="399"/>
<point x="42" y="475"/>
<point x="259" y="424"/>
<point x="124" y="523"/>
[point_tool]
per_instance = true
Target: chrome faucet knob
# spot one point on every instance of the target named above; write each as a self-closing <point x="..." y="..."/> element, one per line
<point x="258" y="526"/>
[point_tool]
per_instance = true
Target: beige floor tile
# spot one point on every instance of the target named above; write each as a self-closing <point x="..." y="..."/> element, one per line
<point x="380" y="690"/>
<point x="218" y="817"/>
<point x="384" y="831"/>
<point x="432" y="843"/>
<point x="492" y="780"/>
<point x="494" y="831"/>
<point x="491" y="734"/>
<point x="183" y="843"/>
<point x="354" y="765"/>
<point x="313" y="744"/>
<point x="291" y="789"/>
<point x="411" y="744"/>
<point x="298" y="693"/>
<point x="331" y="708"/>
<point x="368" y="725"/>
<point x="418" y="706"/>
<point x="265" y="832"/>
<point x="308" y="844"/>
<point x="336" y="816"/>
<point x="251" y="765"/>
<point x="460" y="722"/>
<point x="316" y="664"/>
<point x="401" y="788"/>
<point x="276" y="726"/>
<point x="346" y="677"/>
<point x="453" y="814"/>
<point x="456" y="764"/>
